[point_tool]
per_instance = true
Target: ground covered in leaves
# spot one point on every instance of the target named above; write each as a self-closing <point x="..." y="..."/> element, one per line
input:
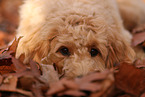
<point x="19" y="80"/>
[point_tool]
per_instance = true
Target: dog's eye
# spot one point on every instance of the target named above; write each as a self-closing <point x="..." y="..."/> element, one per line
<point x="64" y="51"/>
<point x="94" y="52"/>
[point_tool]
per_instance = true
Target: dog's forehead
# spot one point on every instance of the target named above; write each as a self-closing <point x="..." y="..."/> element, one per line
<point x="80" y="39"/>
<point x="80" y="33"/>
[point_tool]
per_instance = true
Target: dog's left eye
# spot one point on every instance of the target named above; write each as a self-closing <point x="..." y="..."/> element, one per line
<point x="64" y="51"/>
<point x="94" y="52"/>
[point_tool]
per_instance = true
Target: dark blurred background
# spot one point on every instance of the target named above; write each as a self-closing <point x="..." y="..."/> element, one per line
<point x="9" y="20"/>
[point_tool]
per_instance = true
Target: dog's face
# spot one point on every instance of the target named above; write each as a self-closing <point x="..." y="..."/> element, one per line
<point x="79" y="48"/>
<point x="78" y="45"/>
<point x="79" y="53"/>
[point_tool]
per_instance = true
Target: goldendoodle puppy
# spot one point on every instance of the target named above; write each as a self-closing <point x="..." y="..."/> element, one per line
<point x="78" y="36"/>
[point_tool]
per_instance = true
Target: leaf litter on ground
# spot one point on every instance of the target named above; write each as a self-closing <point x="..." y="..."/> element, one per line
<point x="20" y="80"/>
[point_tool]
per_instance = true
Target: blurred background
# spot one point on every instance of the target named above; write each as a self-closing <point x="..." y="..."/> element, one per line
<point x="9" y="20"/>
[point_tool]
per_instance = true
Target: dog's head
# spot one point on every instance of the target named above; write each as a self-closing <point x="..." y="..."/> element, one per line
<point x="77" y="45"/>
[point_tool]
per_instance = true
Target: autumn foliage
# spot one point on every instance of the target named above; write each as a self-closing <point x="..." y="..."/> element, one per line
<point x="19" y="80"/>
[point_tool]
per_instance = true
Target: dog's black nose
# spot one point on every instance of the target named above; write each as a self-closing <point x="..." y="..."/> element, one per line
<point x="80" y="76"/>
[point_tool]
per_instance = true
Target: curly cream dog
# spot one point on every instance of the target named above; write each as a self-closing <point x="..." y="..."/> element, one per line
<point x="78" y="36"/>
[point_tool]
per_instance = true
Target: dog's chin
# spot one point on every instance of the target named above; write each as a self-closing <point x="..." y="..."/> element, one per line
<point x="78" y="73"/>
<point x="72" y="76"/>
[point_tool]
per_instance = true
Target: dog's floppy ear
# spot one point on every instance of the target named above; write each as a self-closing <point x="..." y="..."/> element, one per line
<point x="119" y="50"/>
<point x="35" y="34"/>
<point x="34" y="46"/>
<point x="29" y="46"/>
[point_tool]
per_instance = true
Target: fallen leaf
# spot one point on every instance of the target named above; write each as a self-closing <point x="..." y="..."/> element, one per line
<point x="1" y="80"/>
<point x="74" y="93"/>
<point x="108" y="87"/>
<point x="9" y="84"/>
<point x="69" y="84"/>
<point x="35" y="68"/>
<point x="2" y="37"/>
<point x="27" y="93"/>
<point x="13" y="46"/>
<point x="143" y="95"/>
<point x="37" y="91"/>
<point x="143" y="44"/>
<point x="21" y="58"/>
<point x="93" y="77"/>
<point x="130" y="79"/>
<point x="18" y="65"/>
<point x="139" y="29"/>
<point x="126" y="95"/>
<point x="6" y="65"/>
<point x="26" y="82"/>
<point x="138" y="38"/>
<point x="49" y="74"/>
<point x="140" y="63"/>
<point x="92" y="87"/>
<point x="55" y="88"/>
<point x="5" y="59"/>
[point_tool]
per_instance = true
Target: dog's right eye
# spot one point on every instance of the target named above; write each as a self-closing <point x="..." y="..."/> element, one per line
<point x="64" y="51"/>
<point x="94" y="52"/>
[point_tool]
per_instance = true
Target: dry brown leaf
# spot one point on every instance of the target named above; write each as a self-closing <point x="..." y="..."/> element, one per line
<point x="1" y="79"/>
<point x="13" y="94"/>
<point x="140" y="64"/>
<point x="18" y="65"/>
<point x="5" y="59"/>
<point x="2" y="37"/>
<point x="107" y="87"/>
<point x="27" y="93"/>
<point x="6" y="65"/>
<point x="55" y="88"/>
<point x="27" y="72"/>
<point x="35" y="68"/>
<point x="92" y="87"/>
<point x="143" y="95"/>
<point x="74" y="93"/>
<point x="138" y="38"/>
<point x="2" y="50"/>
<point x="21" y="58"/>
<point x="26" y="82"/>
<point x="139" y="29"/>
<point x="138" y="35"/>
<point x="37" y="91"/>
<point x="143" y="44"/>
<point x="130" y="79"/>
<point x="14" y="45"/>
<point x="93" y="77"/>
<point x="49" y="74"/>
<point x="69" y="84"/>
<point x="126" y="95"/>
<point x="9" y="84"/>
<point x="94" y="82"/>
<point x="7" y="69"/>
